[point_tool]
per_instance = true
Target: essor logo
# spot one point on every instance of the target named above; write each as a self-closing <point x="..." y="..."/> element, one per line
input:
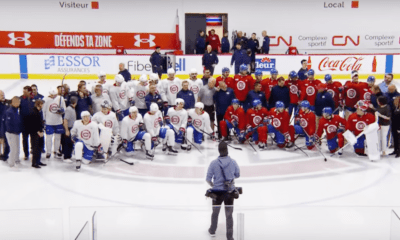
<point x="351" y="93"/>
<point x="241" y="85"/>
<point x="140" y="40"/>
<point x="293" y="89"/>
<point x="331" y="129"/>
<point x="331" y="92"/>
<point x="122" y="94"/>
<point x="303" y="123"/>
<point x="108" y="124"/>
<point x="141" y="94"/>
<point x="175" y="119"/>
<point x="279" y="39"/>
<point x="367" y="96"/>
<point x="346" y="64"/>
<point x="85" y="134"/>
<point x="310" y="90"/>
<point x="53" y="107"/>
<point x="174" y="89"/>
<point x="276" y="122"/>
<point x="24" y="39"/>
<point x="195" y="89"/>
<point x="265" y="64"/>
<point x="360" y="125"/>
<point x="197" y="123"/>
<point x="338" y="40"/>
<point x="257" y="120"/>
<point x="71" y="61"/>
<point x="135" y="128"/>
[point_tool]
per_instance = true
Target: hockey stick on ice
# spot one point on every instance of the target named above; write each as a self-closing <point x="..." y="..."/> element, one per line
<point x="186" y="139"/>
<point x="219" y="140"/>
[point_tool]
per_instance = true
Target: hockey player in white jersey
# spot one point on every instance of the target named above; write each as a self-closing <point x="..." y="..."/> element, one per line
<point x="121" y="97"/>
<point x="169" y="89"/>
<point x="154" y="80"/>
<point x="198" y="122"/>
<point x="102" y="81"/>
<point x="176" y="119"/>
<point x="109" y="120"/>
<point x="154" y="122"/>
<point x="132" y="130"/>
<point x="85" y="135"/>
<point x="195" y="84"/>
<point x="140" y="90"/>
<point x="52" y="114"/>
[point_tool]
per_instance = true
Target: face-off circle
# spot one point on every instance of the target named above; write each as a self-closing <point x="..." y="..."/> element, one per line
<point x="141" y="94"/>
<point x="310" y="91"/>
<point x="175" y="119"/>
<point x="122" y="94"/>
<point x="276" y="122"/>
<point x="360" y="126"/>
<point x="53" y="107"/>
<point x="351" y="93"/>
<point x="293" y="89"/>
<point x="174" y="89"/>
<point x="241" y="85"/>
<point x="257" y="120"/>
<point x="85" y="134"/>
<point x="108" y="124"/>
<point x="331" y="129"/>
<point x="197" y="123"/>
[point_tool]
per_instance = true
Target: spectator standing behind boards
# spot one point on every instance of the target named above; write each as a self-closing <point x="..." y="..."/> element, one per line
<point x="253" y="44"/>
<point x="186" y="95"/>
<point x="238" y="57"/>
<point x="156" y="61"/>
<point x="225" y="45"/>
<point x="303" y="70"/>
<point x="213" y="40"/>
<point x="4" y="147"/>
<point x="35" y="128"/>
<point x="210" y="60"/>
<point x="279" y="93"/>
<point x="98" y="97"/>
<point x="242" y="40"/>
<point x="200" y="43"/>
<point x="124" y="72"/>
<point x="222" y="99"/>
<point x="13" y="129"/>
<point x="386" y="83"/>
<point x="223" y="170"/>
<point x="68" y="123"/>
<point x="265" y="44"/>
<point x="25" y="109"/>
<point x="206" y="97"/>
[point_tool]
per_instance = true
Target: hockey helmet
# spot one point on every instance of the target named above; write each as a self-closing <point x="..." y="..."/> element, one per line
<point x="193" y="71"/>
<point x="106" y="104"/>
<point x="53" y="91"/>
<point x="235" y="101"/>
<point x="179" y="100"/>
<point x="293" y="74"/>
<point x="328" y="77"/>
<point x="153" y="107"/>
<point x="225" y="69"/>
<point x="258" y="72"/>
<point x="327" y="111"/>
<point x="279" y="104"/>
<point x="305" y="104"/>
<point x="362" y="105"/>
<point x="371" y="79"/>
<point x="274" y="71"/>
<point x="85" y="113"/>
<point x="256" y="102"/>
<point x="143" y="78"/>
<point x="101" y="74"/>
<point x="133" y="109"/>
<point x="310" y="72"/>
<point x="119" y="78"/>
<point x="243" y="67"/>
<point x="170" y="71"/>
<point x="199" y="105"/>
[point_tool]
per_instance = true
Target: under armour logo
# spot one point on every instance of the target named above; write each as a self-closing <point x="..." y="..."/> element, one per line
<point x="144" y="40"/>
<point x="14" y="39"/>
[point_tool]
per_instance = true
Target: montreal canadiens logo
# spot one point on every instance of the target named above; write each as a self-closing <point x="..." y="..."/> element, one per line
<point x="175" y="119"/>
<point x="303" y="123"/>
<point x="331" y="92"/>
<point x="241" y="85"/>
<point x="122" y="94"/>
<point x="134" y="128"/>
<point x="197" y="123"/>
<point x="195" y="89"/>
<point x="141" y="94"/>
<point x="234" y="117"/>
<point x="53" y="107"/>
<point x="367" y="96"/>
<point x="360" y="125"/>
<point x="276" y="122"/>
<point x="293" y="89"/>
<point x="105" y="91"/>
<point x="256" y="120"/>
<point x="155" y="123"/>
<point x="310" y="91"/>
<point x="108" y="124"/>
<point x="331" y="129"/>
<point x="85" y="135"/>
<point x="351" y="93"/>
<point x="173" y="89"/>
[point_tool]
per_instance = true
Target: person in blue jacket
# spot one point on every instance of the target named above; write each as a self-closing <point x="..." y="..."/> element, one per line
<point x="265" y="43"/>
<point x="153" y="96"/>
<point x="225" y="45"/>
<point x="13" y="128"/>
<point x="210" y="60"/>
<point x="324" y="99"/>
<point x="124" y="72"/>
<point x="279" y="93"/>
<point x="26" y="108"/>
<point x="156" y="61"/>
<point x="200" y="43"/>
<point x="240" y="39"/>
<point x="186" y="95"/>
<point x="222" y="99"/>
<point x="35" y="94"/>
<point x="238" y="57"/>
<point x="302" y="73"/>
<point x="4" y="105"/>
<point x="255" y="94"/>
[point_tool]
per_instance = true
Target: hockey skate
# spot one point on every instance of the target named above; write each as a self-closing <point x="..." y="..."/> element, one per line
<point x="78" y="165"/>
<point x="188" y="148"/>
<point x="261" y="145"/>
<point x="184" y="146"/>
<point x="149" y="155"/>
<point x="48" y="155"/>
<point x="171" y="151"/>
<point x="164" y="148"/>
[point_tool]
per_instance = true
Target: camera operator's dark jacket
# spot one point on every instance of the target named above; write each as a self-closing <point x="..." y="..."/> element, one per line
<point x="231" y="171"/>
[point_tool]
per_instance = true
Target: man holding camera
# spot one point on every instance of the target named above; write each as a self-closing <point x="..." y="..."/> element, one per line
<point x="223" y="170"/>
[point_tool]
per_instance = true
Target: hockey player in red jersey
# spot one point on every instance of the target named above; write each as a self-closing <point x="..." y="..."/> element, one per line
<point x="351" y="94"/>
<point x="292" y="84"/>
<point x="257" y="118"/>
<point x="308" y="90"/>
<point x="356" y="124"/>
<point x="241" y="84"/>
<point x="335" y="89"/>
<point x="365" y="89"/>
<point x="225" y="78"/>
<point x="269" y="83"/>
<point x="334" y="126"/>
<point x="305" y="124"/>
<point x="279" y="125"/>
<point x="234" y="118"/>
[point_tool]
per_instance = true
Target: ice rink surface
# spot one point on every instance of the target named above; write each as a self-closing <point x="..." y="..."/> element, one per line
<point x="286" y="194"/>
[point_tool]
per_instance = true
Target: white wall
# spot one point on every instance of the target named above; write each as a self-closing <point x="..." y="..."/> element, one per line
<point x="280" y="18"/>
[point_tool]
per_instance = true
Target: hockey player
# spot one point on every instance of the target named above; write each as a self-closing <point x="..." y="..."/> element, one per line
<point x="176" y="119"/>
<point x="308" y="90"/>
<point x="292" y="84"/>
<point x="257" y="119"/>
<point x="357" y="122"/>
<point x="279" y="126"/>
<point x="154" y="122"/>
<point x="195" y="84"/>
<point x="225" y="78"/>
<point x="198" y="122"/>
<point x="121" y="97"/>
<point x="132" y="130"/>
<point x="365" y="88"/>
<point x="335" y="89"/>
<point x="241" y="84"/>
<point x="271" y="82"/>
<point x="235" y="118"/>
<point x="85" y="135"/>
<point x="102" y="81"/>
<point x="305" y="123"/>
<point x="334" y="126"/>
<point x="169" y="88"/>
<point x="52" y="115"/>
<point x="154" y="81"/>
<point x="351" y="94"/>
<point x="140" y="90"/>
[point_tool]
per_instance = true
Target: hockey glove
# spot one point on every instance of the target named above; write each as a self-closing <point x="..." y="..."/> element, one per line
<point x="141" y="127"/>
<point x="266" y="121"/>
<point x="132" y="102"/>
<point x="287" y="137"/>
<point x="234" y="123"/>
<point x="154" y="139"/>
<point x="249" y="129"/>
<point x="74" y="138"/>
<point x="167" y="120"/>
<point x="100" y="149"/>
<point x="182" y="131"/>
<point x="318" y="140"/>
<point x="189" y="121"/>
<point x="125" y="143"/>
<point x="165" y="104"/>
<point x="161" y="123"/>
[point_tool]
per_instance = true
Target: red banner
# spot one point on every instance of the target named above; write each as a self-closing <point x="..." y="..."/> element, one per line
<point x="80" y="40"/>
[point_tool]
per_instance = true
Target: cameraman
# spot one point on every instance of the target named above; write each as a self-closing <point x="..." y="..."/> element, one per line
<point x="223" y="170"/>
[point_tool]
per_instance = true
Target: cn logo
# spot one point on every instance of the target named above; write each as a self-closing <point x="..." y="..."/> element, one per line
<point x="335" y="42"/>
<point x="24" y="39"/>
<point x="149" y="40"/>
<point x="279" y="41"/>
